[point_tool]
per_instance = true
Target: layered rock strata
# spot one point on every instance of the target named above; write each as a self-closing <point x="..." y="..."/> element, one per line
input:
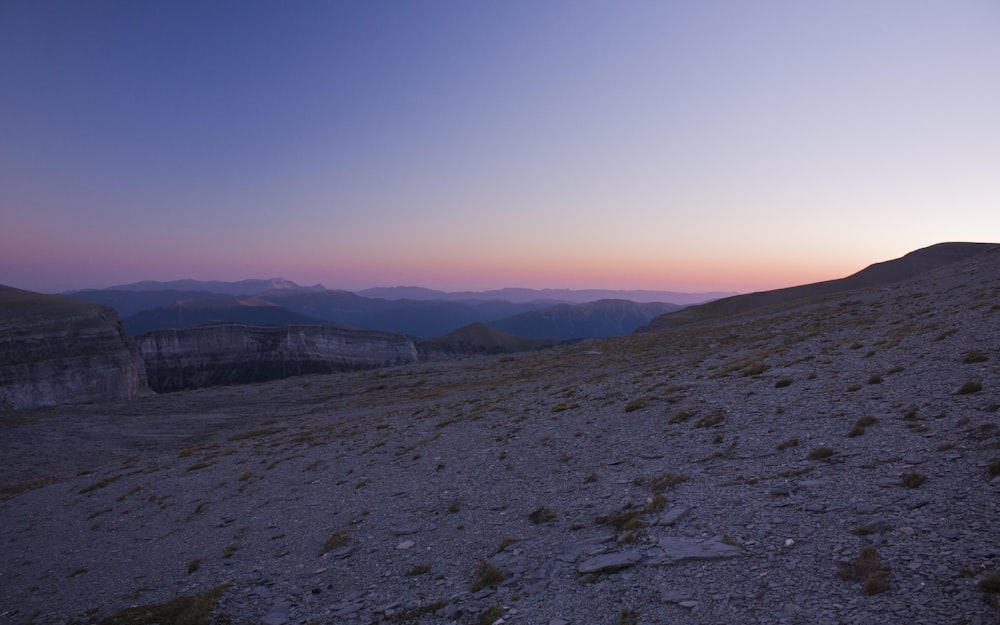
<point x="221" y="354"/>
<point x="56" y="350"/>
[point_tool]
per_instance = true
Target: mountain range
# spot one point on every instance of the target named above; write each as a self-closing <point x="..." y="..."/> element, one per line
<point x="150" y="306"/>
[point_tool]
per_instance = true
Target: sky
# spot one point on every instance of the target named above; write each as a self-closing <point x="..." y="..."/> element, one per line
<point x="704" y="145"/>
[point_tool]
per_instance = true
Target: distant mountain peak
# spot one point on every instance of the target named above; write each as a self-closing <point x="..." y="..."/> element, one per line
<point x="241" y="287"/>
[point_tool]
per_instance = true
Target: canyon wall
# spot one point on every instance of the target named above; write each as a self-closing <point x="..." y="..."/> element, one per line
<point x="235" y="354"/>
<point x="56" y="350"/>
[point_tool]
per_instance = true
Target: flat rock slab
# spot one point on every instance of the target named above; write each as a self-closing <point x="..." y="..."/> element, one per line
<point x="677" y="549"/>
<point x="610" y="562"/>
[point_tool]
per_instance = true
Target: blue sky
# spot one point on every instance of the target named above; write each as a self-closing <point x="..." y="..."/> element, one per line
<point x="474" y="145"/>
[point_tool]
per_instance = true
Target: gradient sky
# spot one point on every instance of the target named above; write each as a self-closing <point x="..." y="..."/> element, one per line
<point x="691" y="146"/>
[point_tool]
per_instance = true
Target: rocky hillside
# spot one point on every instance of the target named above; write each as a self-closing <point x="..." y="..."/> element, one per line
<point x="57" y="350"/>
<point x="833" y="461"/>
<point x="884" y="273"/>
<point x="217" y="354"/>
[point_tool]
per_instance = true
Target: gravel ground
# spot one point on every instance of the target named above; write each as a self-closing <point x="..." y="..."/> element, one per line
<point x="673" y="478"/>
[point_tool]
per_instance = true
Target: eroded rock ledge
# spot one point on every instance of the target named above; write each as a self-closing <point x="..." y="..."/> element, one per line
<point x="217" y="354"/>
<point x="57" y="350"/>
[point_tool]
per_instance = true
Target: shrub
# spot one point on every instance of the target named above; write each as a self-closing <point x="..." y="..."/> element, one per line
<point x="680" y="417"/>
<point x="860" y="425"/>
<point x="875" y="379"/>
<point x="791" y="442"/>
<point x="990" y="584"/>
<point x="973" y="356"/>
<point x="636" y="404"/>
<point x="337" y="539"/>
<point x="913" y="480"/>
<point x="820" y="453"/>
<point x="664" y="481"/>
<point x="488" y="576"/>
<point x="710" y="420"/>
<point x="782" y="382"/>
<point x="491" y="615"/>
<point x="971" y="386"/>
<point x="542" y="515"/>
<point x="874" y="573"/>
<point x="187" y="610"/>
<point x="755" y="369"/>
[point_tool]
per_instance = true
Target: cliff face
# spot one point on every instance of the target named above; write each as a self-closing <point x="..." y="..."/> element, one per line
<point x="234" y="354"/>
<point x="57" y="350"/>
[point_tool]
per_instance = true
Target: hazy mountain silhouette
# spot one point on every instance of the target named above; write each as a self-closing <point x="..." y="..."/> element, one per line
<point x="479" y="338"/>
<point x="429" y="313"/>
<point x="186" y="313"/>
<point x="600" y="319"/>
<point x="555" y="296"/>
<point x="242" y="287"/>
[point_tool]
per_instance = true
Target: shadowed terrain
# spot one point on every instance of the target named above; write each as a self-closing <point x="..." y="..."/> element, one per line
<point x="828" y="460"/>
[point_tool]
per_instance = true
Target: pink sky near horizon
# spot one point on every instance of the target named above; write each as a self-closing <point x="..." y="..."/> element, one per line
<point x="709" y="146"/>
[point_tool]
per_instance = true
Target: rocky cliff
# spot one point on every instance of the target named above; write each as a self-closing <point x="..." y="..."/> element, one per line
<point x="217" y="354"/>
<point x="57" y="350"/>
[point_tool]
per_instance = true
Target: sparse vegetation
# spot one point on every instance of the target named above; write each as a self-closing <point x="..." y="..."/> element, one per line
<point x="711" y="420"/>
<point x="664" y="481"/>
<point x="820" y="453"/>
<point x="187" y="610"/>
<point x="542" y="515"/>
<point x="860" y="425"/>
<point x="336" y="540"/>
<point x="242" y="436"/>
<point x="875" y="379"/>
<point x="990" y="584"/>
<point x="193" y="566"/>
<point x="488" y="576"/>
<point x="972" y="386"/>
<point x="636" y="404"/>
<point x="680" y="416"/>
<point x="506" y="542"/>
<point x="873" y="572"/>
<point x="491" y="615"/>
<point x="973" y="356"/>
<point x="913" y="480"/>
<point x="418" y="569"/>
<point x="755" y="369"/>
<point x="785" y="444"/>
<point x="994" y="469"/>
<point x="783" y="382"/>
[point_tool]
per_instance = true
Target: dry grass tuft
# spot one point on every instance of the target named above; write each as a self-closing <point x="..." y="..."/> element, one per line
<point x="972" y="386"/>
<point x="188" y="610"/>
<point x="913" y="480"/>
<point x="820" y="453"/>
<point x="488" y="576"/>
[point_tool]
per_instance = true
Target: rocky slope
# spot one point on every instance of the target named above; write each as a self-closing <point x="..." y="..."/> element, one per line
<point x="56" y="350"/>
<point x="830" y="462"/>
<point x="884" y="273"/>
<point x="218" y="354"/>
